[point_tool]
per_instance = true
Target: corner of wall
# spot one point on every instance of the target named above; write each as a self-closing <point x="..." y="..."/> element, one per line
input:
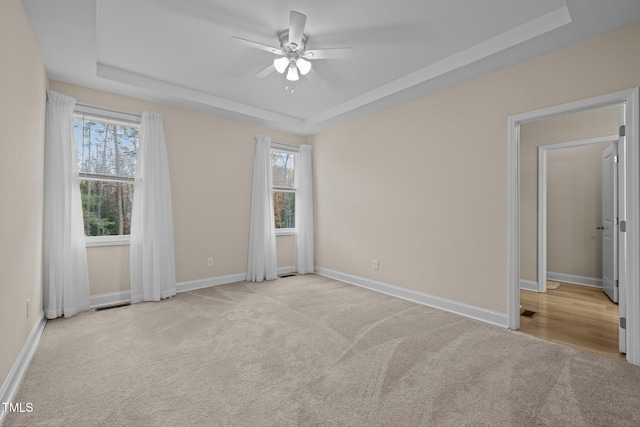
<point x="22" y="116"/>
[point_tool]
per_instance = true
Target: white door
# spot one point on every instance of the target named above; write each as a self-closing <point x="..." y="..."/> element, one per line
<point x="609" y="226"/>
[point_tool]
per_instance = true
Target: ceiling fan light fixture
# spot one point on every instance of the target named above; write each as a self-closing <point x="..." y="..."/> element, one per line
<point x="303" y="65"/>
<point x="293" y="59"/>
<point x="281" y="64"/>
<point x="292" y="75"/>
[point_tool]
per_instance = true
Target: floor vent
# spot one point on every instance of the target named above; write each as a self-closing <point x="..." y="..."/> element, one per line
<point x="282" y="276"/>
<point x="528" y="313"/>
<point x="109" y="307"/>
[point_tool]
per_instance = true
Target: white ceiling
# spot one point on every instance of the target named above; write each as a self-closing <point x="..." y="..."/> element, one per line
<point x="180" y="52"/>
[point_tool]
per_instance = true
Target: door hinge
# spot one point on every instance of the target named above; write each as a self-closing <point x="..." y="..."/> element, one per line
<point x="615" y="159"/>
<point x="623" y="226"/>
<point x="623" y="322"/>
<point x="617" y="221"/>
<point x="617" y="285"/>
<point x="623" y="130"/>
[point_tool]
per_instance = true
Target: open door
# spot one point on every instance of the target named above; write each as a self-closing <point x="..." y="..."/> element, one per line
<point x="610" y="238"/>
<point x="609" y="223"/>
<point x="622" y="149"/>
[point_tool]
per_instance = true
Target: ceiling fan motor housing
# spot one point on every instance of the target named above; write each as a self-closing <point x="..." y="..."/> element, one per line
<point x="283" y="36"/>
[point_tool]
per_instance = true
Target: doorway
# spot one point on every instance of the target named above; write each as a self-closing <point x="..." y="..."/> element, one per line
<point x="579" y="316"/>
<point x="574" y="225"/>
<point x="573" y="202"/>
<point x="629" y="238"/>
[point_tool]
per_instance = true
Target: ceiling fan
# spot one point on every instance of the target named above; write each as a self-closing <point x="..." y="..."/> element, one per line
<point x="294" y="58"/>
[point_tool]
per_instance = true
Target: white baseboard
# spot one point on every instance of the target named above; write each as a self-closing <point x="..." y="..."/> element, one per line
<point x="285" y="270"/>
<point x="12" y="382"/>
<point x="123" y="297"/>
<point x="463" y="309"/>
<point x="211" y="281"/>
<point x="112" y="298"/>
<point x="576" y="280"/>
<point x="528" y="285"/>
<point x="220" y="280"/>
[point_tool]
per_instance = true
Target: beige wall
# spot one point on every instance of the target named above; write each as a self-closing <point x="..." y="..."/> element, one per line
<point x="23" y="83"/>
<point x="569" y="127"/>
<point x="574" y="210"/>
<point x="108" y="269"/>
<point x="211" y="165"/>
<point x="423" y="187"/>
<point x="285" y="245"/>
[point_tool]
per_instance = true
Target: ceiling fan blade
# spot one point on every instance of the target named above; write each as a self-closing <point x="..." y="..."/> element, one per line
<point x="338" y="53"/>
<point x="297" y="22"/>
<point x="313" y="76"/>
<point x="267" y="71"/>
<point x="256" y="45"/>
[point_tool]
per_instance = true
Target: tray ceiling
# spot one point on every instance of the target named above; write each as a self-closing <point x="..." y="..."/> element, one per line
<point x="181" y="53"/>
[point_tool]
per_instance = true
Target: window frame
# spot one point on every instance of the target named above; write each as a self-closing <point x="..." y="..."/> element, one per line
<point x="277" y="146"/>
<point x="118" y="118"/>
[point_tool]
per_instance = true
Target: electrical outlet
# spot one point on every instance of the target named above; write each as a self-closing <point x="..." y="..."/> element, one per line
<point x="209" y="262"/>
<point x="376" y="264"/>
<point x="28" y="307"/>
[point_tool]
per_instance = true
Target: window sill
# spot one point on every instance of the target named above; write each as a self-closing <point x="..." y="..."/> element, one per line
<point x="285" y="232"/>
<point x="97" y="241"/>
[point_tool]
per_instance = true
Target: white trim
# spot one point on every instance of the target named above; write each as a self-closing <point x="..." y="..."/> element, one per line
<point x="96" y="241"/>
<point x="629" y="260"/>
<point x="285" y="270"/>
<point x="456" y="307"/>
<point x="528" y="285"/>
<point x="285" y="147"/>
<point x="576" y="280"/>
<point x="12" y="382"/>
<point x="119" y="117"/>
<point x="111" y="298"/>
<point x="630" y="275"/>
<point x="513" y="223"/>
<point x="607" y="100"/>
<point x="520" y="34"/>
<point x="580" y="142"/>
<point x="123" y="297"/>
<point x="285" y="232"/>
<point x="542" y="198"/>
<point x="162" y="86"/>
<point x="211" y="281"/>
<point x="542" y="220"/>
<point x="623" y="174"/>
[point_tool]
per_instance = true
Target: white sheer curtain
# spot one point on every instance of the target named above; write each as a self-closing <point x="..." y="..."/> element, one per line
<point x="65" y="275"/>
<point x="262" y="230"/>
<point x="153" y="274"/>
<point x="303" y="261"/>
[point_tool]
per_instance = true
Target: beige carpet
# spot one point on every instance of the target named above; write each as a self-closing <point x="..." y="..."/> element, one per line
<point x="305" y="351"/>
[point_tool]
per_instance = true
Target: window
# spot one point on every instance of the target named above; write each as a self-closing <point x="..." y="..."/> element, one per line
<point x="283" y="160"/>
<point x="107" y="149"/>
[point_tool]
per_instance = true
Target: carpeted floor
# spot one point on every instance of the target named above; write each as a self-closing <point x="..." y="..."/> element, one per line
<point x="306" y="351"/>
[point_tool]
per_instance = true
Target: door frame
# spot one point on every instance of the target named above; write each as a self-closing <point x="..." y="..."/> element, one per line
<point x="629" y="155"/>
<point x="542" y="198"/>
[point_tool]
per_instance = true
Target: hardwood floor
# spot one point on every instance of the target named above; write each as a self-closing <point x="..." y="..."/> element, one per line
<point x="574" y="315"/>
